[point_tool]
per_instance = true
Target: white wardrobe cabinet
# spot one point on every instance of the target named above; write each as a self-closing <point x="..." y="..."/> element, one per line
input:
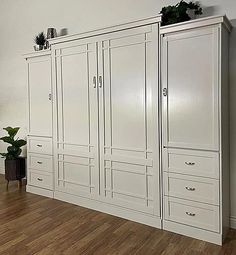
<point x="195" y="149"/>
<point x="132" y="120"/>
<point x="39" y="140"/>
<point x="106" y="146"/>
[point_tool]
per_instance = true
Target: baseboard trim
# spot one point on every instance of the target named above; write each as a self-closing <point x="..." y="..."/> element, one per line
<point x="2" y="170"/>
<point x="139" y="217"/>
<point x="39" y="191"/>
<point x="233" y="222"/>
<point x="196" y="233"/>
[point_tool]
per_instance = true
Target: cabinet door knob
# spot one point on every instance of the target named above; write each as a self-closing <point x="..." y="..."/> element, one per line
<point x="50" y="96"/>
<point x="40" y="179"/>
<point x="40" y="162"/>
<point x="164" y="91"/>
<point x="39" y="145"/>
<point x="190" y="214"/>
<point x="94" y="81"/>
<point x="190" y="189"/>
<point x="189" y="163"/>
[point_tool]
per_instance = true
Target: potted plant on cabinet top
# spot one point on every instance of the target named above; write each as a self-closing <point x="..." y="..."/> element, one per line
<point x="180" y="12"/>
<point x="14" y="164"/>
<point x="40" y="41"/>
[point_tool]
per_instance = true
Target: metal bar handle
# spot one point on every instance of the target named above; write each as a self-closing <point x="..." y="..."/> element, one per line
<point x="164" y="91"/>
<point x="100" y="81"/>
<point x="190" y="189"/>
<point x="189" y="163"/>
<point x="190" y="214"/>
<point x="94" y="82"/>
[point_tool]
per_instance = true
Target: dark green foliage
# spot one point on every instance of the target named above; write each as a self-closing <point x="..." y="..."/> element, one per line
<point x="14" y="150"/>
<point x="40" y="39"/>
<point x="178" y="13"/>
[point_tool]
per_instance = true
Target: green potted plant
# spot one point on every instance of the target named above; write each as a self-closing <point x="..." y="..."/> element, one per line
<point x="180" y="12"/>
<point x="40" y="41"/>
<point x="14" y="164"/>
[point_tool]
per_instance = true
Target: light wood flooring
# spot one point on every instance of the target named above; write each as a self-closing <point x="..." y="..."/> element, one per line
<point x="31" y="224"/>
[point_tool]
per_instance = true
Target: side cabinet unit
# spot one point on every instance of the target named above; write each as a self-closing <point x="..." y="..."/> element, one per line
<point x="195" y="145"/>
<point x="39" y="140"/>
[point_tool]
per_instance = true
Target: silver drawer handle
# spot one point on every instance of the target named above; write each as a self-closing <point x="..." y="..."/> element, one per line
<point x="39" y="162"/>
<point x="189" y="163"/>
<point x="189" y="188"/>
<point x="40" y="179"/>
<point x="190" y="214"/>
<point x="39" y="145"/>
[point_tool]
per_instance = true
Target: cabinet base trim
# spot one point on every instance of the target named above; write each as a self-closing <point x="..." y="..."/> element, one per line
<point x="39" y="191"/>
<point x="110" y="209"/>
<point x="200" y="234"/>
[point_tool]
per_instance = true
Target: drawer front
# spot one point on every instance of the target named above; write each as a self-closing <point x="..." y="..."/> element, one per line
<point x="198" y="189"/>
<point x="40" y="162"/>
<point x="40" y="145"/>
<point x="196" y="163"/>
<point x="41" y="180"/>
<point x="192" y="213"/>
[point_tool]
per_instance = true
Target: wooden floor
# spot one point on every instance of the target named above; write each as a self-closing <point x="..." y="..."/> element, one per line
<point x="31" y="224"/>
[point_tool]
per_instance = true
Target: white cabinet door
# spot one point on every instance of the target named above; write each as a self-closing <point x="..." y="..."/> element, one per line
<point x="39" y="96"/>
<point x="77" y="117"/>
<point x="190" y="89"/>
<point x="128" y="90"/>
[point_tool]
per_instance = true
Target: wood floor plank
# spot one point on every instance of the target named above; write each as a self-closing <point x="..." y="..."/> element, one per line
<point x="31" y="224"/>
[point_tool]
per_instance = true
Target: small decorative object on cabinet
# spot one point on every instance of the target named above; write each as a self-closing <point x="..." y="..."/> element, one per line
<point x="51" y="33"/>
<point x="40" y="41"/>
<point x="195" y="151"/>
<point x="180" y="12"/>
<point x="14" y="164"/>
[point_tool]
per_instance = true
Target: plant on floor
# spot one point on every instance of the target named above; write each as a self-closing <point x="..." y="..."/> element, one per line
<point x="14" y="164"/>
<point x="14" y="150"/>
<point x="178" y="13"/>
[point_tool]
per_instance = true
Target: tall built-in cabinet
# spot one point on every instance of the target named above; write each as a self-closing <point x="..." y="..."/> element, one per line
<point x="40" y="122"/>
<point x="113" y="130"/>
<point x="195" y="146"/>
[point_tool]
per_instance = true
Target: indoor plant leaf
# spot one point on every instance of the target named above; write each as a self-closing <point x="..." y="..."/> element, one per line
<point x="19" y="143"/>
<point x="12" y="131"/>
<point x="7" y="139"/>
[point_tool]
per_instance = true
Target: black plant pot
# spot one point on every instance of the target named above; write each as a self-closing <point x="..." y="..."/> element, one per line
<point x="14" y="169"/>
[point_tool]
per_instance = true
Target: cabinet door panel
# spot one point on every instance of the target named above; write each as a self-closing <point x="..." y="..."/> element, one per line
<point x="128" y="119"/>
<point x="190" y="74"/>
<point x="40" y="105"/>
<point x="77" y="132"/>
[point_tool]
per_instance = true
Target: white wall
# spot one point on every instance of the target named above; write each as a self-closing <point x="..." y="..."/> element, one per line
<point x="21" y="20"/>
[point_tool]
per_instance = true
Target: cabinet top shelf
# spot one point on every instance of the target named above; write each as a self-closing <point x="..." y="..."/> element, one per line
<point x="100" y="31"/>
<point x="200" y="22"/>
<point x="37" y="53"/>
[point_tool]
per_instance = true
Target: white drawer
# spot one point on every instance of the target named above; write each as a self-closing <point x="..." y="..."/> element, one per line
<point x="198" y="189"/>
<point x="198" y="163"/>
<point x="42" y="180"/>
<point x="41" y="145"/>
<point x="192" y="213"/>
<point x="40" y="162"/>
